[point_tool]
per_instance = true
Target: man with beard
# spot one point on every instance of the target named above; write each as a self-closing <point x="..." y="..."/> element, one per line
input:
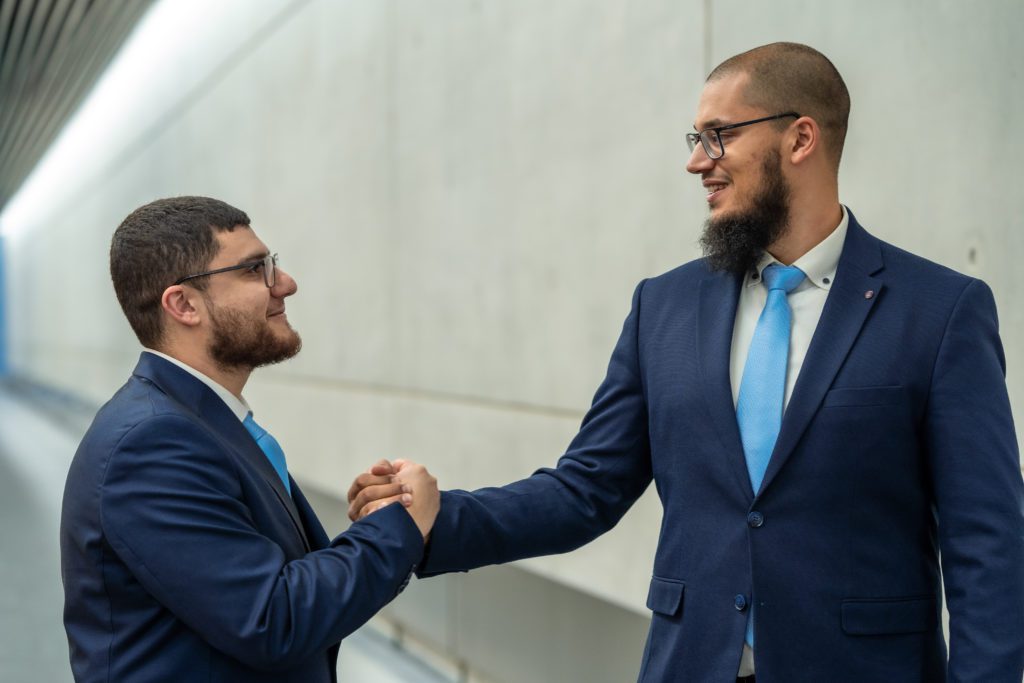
<point x="821" y="412"/>
<point x="187" y="551"/>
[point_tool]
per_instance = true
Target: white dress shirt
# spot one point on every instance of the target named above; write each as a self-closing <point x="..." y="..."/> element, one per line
<point x="237" y="405"/>
<point x="806" y="302"/>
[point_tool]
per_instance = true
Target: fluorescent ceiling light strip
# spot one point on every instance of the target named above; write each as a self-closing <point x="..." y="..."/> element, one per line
<point x="130" y="94"/>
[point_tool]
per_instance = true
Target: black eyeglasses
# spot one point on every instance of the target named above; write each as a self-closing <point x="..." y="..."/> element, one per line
<point x="712" y="141"/>
<point x="267" y="264"/>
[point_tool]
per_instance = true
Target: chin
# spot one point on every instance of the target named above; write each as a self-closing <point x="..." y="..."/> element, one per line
<point x="719" y="213"/>
<point x="725" y="212"/>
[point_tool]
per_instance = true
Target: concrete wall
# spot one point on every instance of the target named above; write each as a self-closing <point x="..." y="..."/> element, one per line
<point x="3" y="311"/>
<point x="467" y="193"/>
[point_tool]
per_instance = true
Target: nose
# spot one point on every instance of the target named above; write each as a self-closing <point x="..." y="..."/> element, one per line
<point x="284" y="284"/>
<point x="699" y="161"/>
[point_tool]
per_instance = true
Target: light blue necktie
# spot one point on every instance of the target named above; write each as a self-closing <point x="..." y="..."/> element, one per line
<point x="268" y="444"/>
<point x="763" y="388"/>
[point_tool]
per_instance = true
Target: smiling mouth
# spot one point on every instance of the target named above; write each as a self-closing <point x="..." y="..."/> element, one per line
<point x="713" y="191"/>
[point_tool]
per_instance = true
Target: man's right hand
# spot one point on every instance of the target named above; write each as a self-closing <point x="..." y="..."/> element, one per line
<point x="373" y="489"/>
<point x="402" y="481"/>
<point x="426" y="498"/>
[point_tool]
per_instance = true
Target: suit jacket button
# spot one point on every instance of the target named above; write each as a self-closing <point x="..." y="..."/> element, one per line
<point x="740" y="602"/>
<point x="755" y="519"/>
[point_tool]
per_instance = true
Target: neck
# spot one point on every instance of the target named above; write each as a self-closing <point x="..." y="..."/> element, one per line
<point x="232" y="379"/>
<point x="806" y="229"/>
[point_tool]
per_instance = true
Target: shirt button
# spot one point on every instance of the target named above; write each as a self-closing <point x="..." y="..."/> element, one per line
<point x="740" y="602"/>
<point x="755" y="519"/>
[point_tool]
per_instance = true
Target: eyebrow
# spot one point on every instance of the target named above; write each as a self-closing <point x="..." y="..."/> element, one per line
<point x="256" y="256"/>
<point x="713" y="123"/>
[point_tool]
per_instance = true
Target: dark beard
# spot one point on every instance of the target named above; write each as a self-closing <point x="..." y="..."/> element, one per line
<point x="241" y="342"/>
<point x="735" y="242"/>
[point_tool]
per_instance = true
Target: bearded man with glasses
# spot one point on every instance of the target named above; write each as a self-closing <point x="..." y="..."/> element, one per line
<point x="825" y="417"/>
<point x="188" y="552"/>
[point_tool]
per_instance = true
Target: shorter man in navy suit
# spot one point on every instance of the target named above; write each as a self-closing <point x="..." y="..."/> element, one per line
<point x="187" y="551"/>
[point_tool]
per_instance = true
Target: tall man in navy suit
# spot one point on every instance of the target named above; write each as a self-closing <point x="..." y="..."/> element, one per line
<point x="187" y="551"/>
<point x="825" y="418"/>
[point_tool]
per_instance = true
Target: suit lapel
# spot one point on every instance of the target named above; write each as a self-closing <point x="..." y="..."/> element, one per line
<point x="845" y="312"/>
<point x="314" y="530"/>
<point x="719" y="296"/>
<point x="211" y="410"/>
<point x="236" y="437"/>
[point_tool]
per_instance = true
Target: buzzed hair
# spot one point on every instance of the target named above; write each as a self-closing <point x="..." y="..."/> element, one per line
<point x="794" y="77"/>
<point x="159" y="243"/>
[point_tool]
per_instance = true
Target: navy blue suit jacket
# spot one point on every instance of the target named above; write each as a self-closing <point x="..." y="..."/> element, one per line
<point x="897" y="443"/>
<point x="184" y="558"/>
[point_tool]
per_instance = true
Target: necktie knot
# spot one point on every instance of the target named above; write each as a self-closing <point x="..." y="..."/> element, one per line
<point x="270" y="447"/>
<point x="786" y="278"/>
<point x="250" y="426"/>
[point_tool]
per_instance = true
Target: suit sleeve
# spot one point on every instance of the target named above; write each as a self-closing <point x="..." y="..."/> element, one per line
<point x="173" y="511"/>
<point x="975" y="467"/>
<point x="555" y="510"/>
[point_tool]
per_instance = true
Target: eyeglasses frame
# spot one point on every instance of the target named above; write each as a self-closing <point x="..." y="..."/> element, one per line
<point x="269" y="270"/>
<point x="692" y="138"/>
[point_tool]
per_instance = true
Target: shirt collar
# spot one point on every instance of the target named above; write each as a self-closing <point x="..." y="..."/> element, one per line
<point x="819" y="264"/>
<point x="238" y="406"/>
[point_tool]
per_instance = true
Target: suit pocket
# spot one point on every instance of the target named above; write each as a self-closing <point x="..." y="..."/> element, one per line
<point x="865" y="396"/>
<point x="665" y="596"/>
<point x="874" y="617"/>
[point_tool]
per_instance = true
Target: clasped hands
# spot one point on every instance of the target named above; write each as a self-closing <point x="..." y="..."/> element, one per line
<point x="401" y="481"/>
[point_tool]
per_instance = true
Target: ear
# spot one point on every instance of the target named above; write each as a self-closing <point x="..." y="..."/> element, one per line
<point x="182" y="305"/>
<point x="804" y="140"/>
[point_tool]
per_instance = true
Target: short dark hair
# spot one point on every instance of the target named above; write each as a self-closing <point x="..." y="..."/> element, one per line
<point x="794" y="77"/>
<point x="158" y="243"/>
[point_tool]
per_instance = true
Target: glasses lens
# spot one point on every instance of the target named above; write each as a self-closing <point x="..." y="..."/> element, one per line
<point x="691" y="140"/>
<point x="712" y="144"/>
<point x="270" y="270"/>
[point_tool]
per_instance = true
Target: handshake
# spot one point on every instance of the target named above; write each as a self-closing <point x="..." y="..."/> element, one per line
<point x="401" y="481"/>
